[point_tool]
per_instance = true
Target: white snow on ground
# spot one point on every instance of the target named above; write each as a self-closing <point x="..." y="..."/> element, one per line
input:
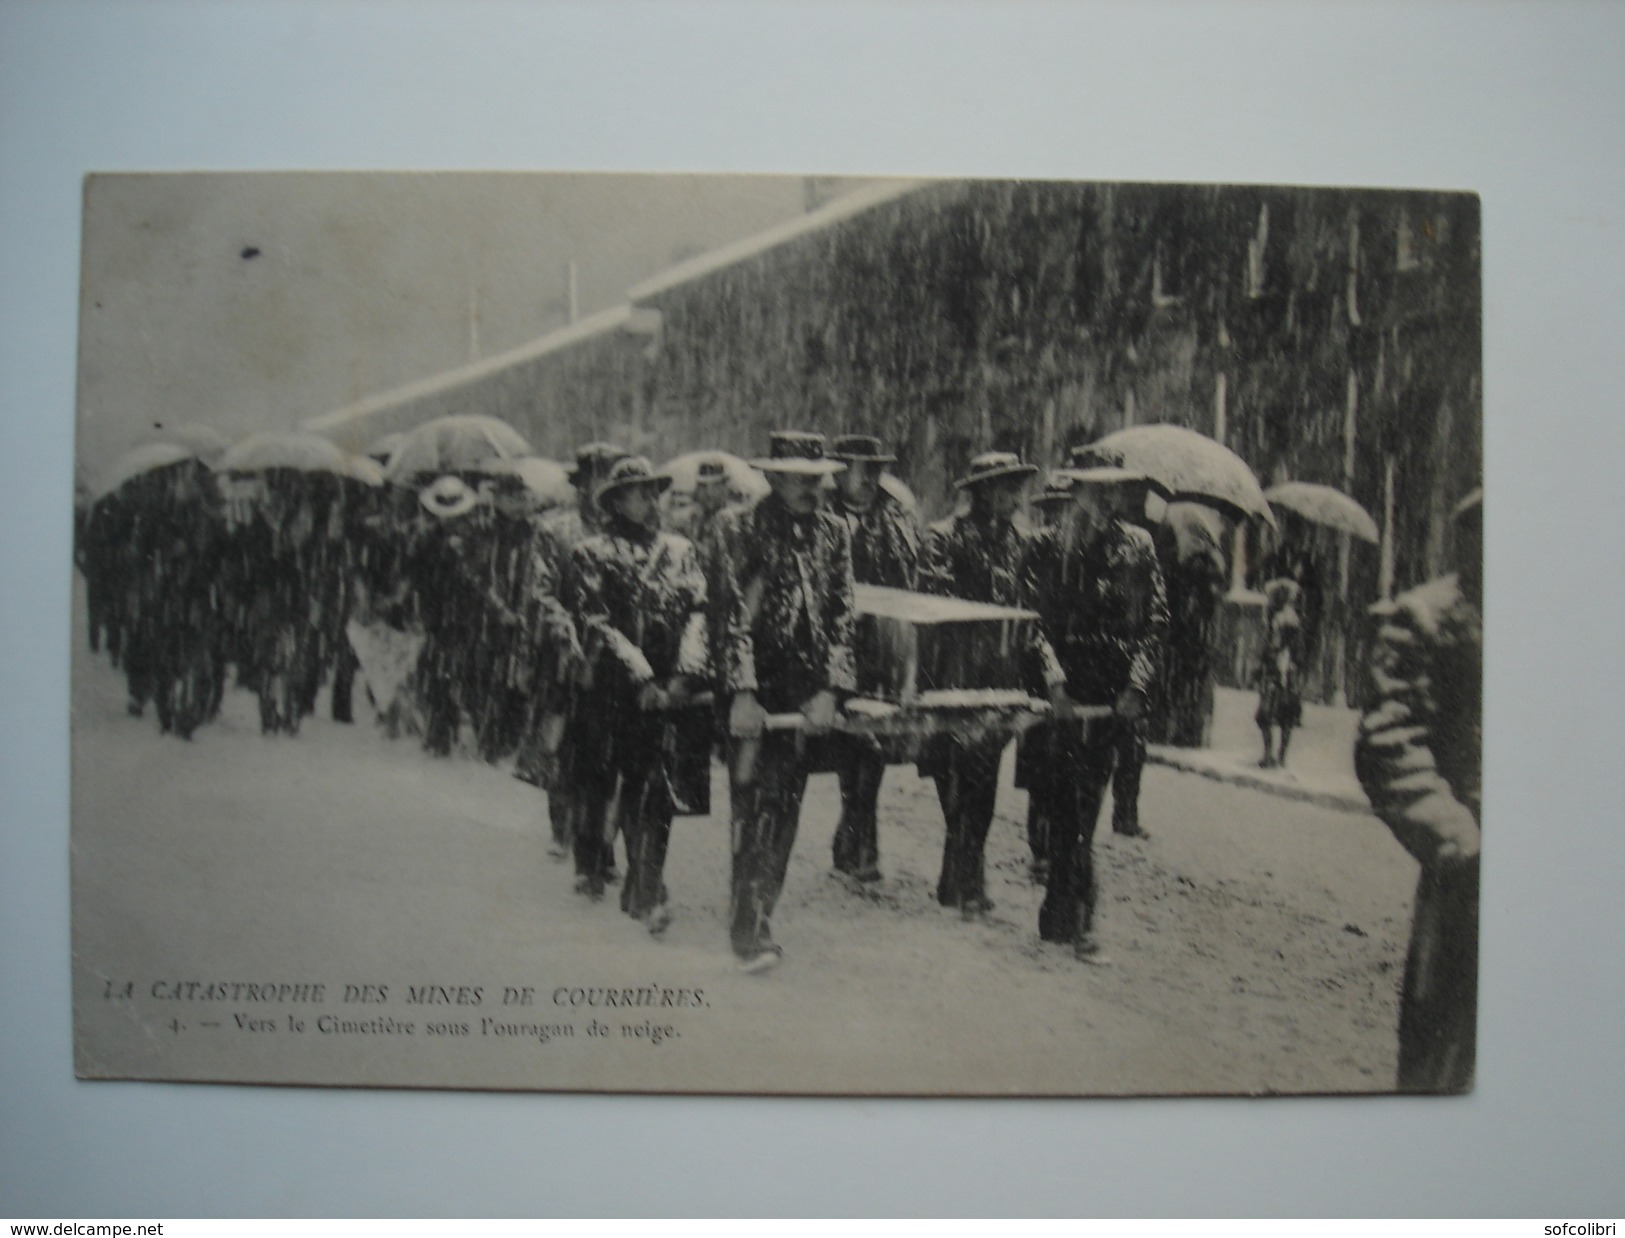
<point x="1257" y="941"/>
<point x="1320" y="760"/>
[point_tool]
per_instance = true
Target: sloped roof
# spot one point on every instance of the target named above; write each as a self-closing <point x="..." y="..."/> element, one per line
<point x="838" y="211"/>
<point x="601" y="323"/>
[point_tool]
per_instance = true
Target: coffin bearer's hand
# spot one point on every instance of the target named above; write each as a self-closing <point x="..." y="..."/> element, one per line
<point x="1061" y="705"/>
<point x="1130" y="705"/>
<point x="746" y="718"/>
<point x="820" y="712"/>
<point x="653" y="697"/>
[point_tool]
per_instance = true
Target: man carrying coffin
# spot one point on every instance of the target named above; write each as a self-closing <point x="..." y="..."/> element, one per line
<point x="885" y="551"/>
<point x="780" y="617"/>
<point x="638" y="596"/>
<point x="976" y="556"/>
<point x="1097" y="586"/>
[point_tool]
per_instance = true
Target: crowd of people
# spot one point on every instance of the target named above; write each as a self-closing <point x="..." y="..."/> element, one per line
<point x="610" y="647"/>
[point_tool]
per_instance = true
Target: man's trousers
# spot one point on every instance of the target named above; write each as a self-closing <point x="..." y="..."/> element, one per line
<point x="1438" y="1009"/>
<point x="967" y="778"/>
<point x="765" y="806"/>
<point x="860" y="766"/>
<point x="1082" y="766"/>
<point x="645" y="816"/>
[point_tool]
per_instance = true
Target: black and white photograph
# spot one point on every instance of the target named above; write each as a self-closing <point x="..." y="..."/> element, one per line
<point x="777" y="635"/>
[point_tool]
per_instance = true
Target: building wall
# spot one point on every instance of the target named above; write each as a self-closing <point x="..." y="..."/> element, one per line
<point x="1324" y="335"/>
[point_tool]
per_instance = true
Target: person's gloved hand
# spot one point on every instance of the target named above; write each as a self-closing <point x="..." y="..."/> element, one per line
<point x="746" y="717"/>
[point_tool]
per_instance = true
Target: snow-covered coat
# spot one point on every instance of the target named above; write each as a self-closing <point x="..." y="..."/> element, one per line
<point x="780" y="604"/>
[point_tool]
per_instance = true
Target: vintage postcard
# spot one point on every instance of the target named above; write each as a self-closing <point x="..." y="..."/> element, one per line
<point x="777" y="635"/>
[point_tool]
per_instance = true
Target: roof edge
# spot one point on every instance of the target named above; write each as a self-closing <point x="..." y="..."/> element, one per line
<point x="601" y="323"/>
<point x="837" y="211"/>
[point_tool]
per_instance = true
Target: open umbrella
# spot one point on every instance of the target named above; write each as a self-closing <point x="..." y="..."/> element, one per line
<point x="1325" y="505"/>
<point x="547" y="480"/>
<point x="205" y="442"/>
<point x="462" y="443"/>
<point x="287" y="449"/>
<point x="138" y="461"/>
<point x="383" y="449"/>
<point x="744" y="481"/>
<point x="366" y="470"/>
<point x="1183" y="462"/>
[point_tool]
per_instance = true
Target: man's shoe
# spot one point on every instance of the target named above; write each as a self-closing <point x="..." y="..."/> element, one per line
<point x="1088" y="950"/>
<point x="975" y="907"/>
<point x="868" y="874"/>
<point x="765" y="959"/>
<point x="658" y="920"/>
<point x="1134" y="830"/>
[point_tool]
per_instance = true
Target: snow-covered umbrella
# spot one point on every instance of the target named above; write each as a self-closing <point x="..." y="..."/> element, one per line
<point x="1183" y="462"/>
<point x="547" y="480"/>
<point x="383" y="449"/>
<point x="366" y="470"/>
<point x="287" y="449"/>
<point x="139" y="461"/>
<point x="1325" y="505"/>
<point x="461" y="443"/>
<point x="744" y="481"/>
<point x="205" y="442"/>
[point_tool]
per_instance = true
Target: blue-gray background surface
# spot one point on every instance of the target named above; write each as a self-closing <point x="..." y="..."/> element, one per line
<point x="1525" y="104"/>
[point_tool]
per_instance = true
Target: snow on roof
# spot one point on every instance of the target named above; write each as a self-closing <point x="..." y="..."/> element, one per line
<point x="841" y="209"/>
<point x="601" y="323"/>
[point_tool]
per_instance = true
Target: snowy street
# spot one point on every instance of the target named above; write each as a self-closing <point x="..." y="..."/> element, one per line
<point x="1256" y="942"/>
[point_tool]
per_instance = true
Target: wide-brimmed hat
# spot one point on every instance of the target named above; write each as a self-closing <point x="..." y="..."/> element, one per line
<point x="632" y="471"/>
<point x="796" y="451"/>
<point x="1089" y="456"/>
<point x="860" y="449"/>
<point x="447" y="497"/>
<point x="595" y="458"/>
<point x="1112" y="475"/>
<point x="1057" y="489"/>
<point x="993" y="465"/>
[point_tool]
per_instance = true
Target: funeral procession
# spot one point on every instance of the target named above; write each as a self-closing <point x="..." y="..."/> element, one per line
<point x="964" y="637"/>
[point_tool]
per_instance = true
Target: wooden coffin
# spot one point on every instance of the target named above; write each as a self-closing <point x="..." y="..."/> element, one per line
<point x="916" y="649"/>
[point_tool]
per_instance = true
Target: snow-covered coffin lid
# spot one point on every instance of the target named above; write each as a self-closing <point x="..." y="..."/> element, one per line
<point x="908" y="643"/>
